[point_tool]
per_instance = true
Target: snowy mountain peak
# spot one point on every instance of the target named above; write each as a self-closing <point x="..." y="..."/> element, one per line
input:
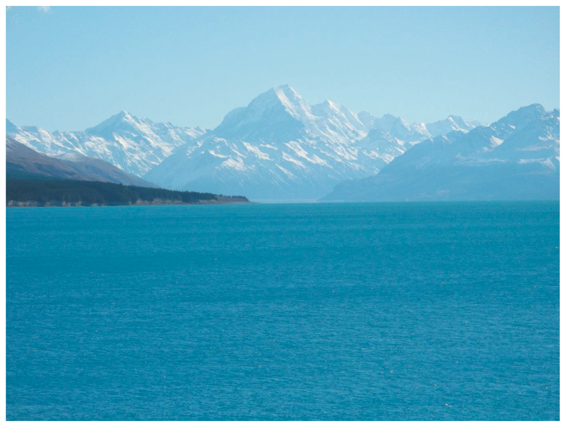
<point x="450" y="124"/>
<point x="327" y="103"/>
<point x="286" y="91"/>
<point x="275" y="115"/>
<point x="123" y="114"/>
<point x="276" y="95"/>
<point x="283" y="96"/>
<point x="533" y="107"/>
<point x="131" y="144"/>
<point x="281" y="115"/>
<point x="123" y="120"/>
<point x="522" y="117"/>
<point x="327" y="106"/>
<point x="530" y="112"/>
<point x="457" y="120"/>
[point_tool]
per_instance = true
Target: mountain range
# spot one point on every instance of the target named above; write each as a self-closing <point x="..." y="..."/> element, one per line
<point x="515" y="158"/>
<point x="131" y="144"/>
<point x="281" y="148"/>
<point x="23" y="162"/>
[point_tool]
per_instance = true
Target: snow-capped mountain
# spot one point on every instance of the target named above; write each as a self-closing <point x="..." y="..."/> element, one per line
<point x="281" y="115"/>
<point x="398" y="127"/>
<point x="23" y="162"/>
<point x="417" y="131"/>
<point x="451" y="124"/>
<point x="515" y="158"/>
<point x="131" y="144"/>
<point x="280" y="147"/>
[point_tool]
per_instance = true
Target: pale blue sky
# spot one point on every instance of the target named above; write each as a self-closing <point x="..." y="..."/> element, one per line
<point x="72" y="67"/>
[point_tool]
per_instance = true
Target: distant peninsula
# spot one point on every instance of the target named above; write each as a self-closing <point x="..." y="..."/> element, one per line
<point x="64" y="193"/>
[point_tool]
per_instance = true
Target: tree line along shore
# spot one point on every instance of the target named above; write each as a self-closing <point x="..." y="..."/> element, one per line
<point x="40" y="193"/>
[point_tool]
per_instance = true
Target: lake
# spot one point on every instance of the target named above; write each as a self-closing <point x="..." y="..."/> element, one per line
<point x="385" y="311"/>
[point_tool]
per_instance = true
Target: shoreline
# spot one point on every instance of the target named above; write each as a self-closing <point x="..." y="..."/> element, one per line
<point x="32" y="204"/>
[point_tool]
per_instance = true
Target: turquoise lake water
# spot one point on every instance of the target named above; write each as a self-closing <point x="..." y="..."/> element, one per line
<point x="434" y="311"/>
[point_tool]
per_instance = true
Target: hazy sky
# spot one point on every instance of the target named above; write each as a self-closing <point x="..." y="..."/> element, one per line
<point x="69" y="68"/>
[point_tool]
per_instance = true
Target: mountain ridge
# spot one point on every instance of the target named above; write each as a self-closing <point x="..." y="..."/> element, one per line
<point x="131" y="144"/>
<point x="515" y="158"/>
<point x="280" y="147"/>
<point x="24" y="162"/>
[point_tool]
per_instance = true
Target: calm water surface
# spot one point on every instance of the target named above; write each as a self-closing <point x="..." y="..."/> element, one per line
<point x="329" y="311"/>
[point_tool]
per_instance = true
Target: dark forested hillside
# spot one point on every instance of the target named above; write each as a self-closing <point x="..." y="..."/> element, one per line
<point x="28" y="192"/>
